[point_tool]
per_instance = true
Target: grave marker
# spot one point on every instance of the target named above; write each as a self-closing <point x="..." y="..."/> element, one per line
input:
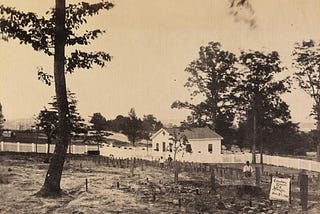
<point x="280" y="189"/>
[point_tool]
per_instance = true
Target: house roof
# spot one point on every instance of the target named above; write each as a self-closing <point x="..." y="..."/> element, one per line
<point x="191" y="133"/>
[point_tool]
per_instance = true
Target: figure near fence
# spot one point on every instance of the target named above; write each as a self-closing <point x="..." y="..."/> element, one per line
<point x="161" y="162"/>
<point x="247" y="170"/>
<point x="169" y="159"/>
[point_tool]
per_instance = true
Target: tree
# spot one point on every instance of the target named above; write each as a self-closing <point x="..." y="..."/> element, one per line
<point x="57" y="30"/>
<point x="258" y="95"/>
<point x="150" y="125"/>
<point x="1" y="120"/>
<point x="132" y="127"/>
<point x="307" y="60"/>
<point x="98" y="122"/>
<point x="47" y="121"/>
<point x="179" y="144"/>
<point x="117" y="124"/>
<point x="212" y="77"/>
<point x="76" y="122"/>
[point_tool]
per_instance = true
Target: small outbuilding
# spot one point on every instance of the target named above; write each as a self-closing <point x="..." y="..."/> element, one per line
<point x="200" y="143"/>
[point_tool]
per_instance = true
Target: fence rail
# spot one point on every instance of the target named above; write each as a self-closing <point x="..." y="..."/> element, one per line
<point x="148" y="154"/>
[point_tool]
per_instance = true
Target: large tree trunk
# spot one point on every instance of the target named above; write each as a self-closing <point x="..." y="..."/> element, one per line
<point x="254" y="139"/>
<point x="51" y="184"/>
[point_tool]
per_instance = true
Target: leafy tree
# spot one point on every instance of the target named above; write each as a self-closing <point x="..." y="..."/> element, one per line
<point x="77" y="123"/>
<point x="132" y="127"/>
<point x="179" y="145"/>
<point x="47" y="121"/>
<point x="258" y="95"/>
<point x="307" y="60"/>
<point x="57" y="29"/>
<point x="212" y="77"/>
<point x="117" y="124"/>
<point x="1" y="120"/>
<point x="284" y="138"/>
<point x="314" y="136"/>
<point x="150" y="125"/>
<point x="98" y="122"/>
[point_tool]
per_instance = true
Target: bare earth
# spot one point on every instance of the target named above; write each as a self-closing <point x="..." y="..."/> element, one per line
<point x="149" y="190"/>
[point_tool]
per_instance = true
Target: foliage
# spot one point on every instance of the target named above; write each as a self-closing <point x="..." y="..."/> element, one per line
<point x="77" y="124"/>
<point x="47" y="120"/>
<point x="39" y="32"/>
<point x="259" y="91"/>
<point x="284" y="138"/>
<point x="180" y="142"/>
<point x="314" y="136"/>
<point x="133" y="127"/>
<point x="258" y="96"/>
<point x="307" y="60"/>
<point x="1" y="120"/>
<point x="99" y="122"/>
<point x="212" y="77"/>
<point x="149" y="126"/>
<point x="56" y="30"/>
<point x="117" y="124"/>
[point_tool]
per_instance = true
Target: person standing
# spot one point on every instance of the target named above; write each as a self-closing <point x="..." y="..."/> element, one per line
<point x="169" y="161"/>
<point x="161" y="162"/>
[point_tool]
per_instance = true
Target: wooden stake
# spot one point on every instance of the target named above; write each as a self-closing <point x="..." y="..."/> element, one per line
<point x="304" y="191"/>
<point x="213" y="180"/>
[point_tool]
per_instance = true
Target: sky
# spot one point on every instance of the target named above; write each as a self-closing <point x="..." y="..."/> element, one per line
<point x="152" y="42"/>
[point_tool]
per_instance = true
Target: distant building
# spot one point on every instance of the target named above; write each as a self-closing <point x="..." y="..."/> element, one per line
<point x="200" y="142"/>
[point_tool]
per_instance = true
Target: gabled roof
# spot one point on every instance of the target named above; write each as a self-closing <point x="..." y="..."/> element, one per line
<point x="191" y="133"/>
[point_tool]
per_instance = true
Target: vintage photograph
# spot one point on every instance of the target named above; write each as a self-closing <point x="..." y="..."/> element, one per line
<point x="171" y="106"/>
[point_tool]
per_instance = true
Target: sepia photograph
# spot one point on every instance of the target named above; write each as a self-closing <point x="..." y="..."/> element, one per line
<point x="171" y="106"/>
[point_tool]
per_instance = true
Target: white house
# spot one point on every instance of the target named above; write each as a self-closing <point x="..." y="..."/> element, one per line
<point x="202" y="144"/>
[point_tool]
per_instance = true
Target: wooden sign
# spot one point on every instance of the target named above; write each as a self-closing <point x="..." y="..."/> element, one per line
<point x="280" y="189"/>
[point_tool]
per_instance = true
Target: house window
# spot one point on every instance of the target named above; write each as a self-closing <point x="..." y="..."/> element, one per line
<point x="157" y="147"/>
<point x="188" y="148"/>
<point x="163" y="146"/>
<point x="210" y="148"/>
<point x="170" y="147"/>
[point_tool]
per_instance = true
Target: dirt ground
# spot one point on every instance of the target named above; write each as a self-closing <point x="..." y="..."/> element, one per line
<point x="115" y="190"/>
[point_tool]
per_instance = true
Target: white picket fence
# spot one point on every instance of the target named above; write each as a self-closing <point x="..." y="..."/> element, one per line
<point x="144" y="153"/>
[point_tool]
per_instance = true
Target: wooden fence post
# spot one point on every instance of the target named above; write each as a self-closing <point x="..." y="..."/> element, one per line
<point x="221" y="175"/>
<point x="258" y="176"/>
<point x="213" y="180"/>
<point x="303" y="178"/>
